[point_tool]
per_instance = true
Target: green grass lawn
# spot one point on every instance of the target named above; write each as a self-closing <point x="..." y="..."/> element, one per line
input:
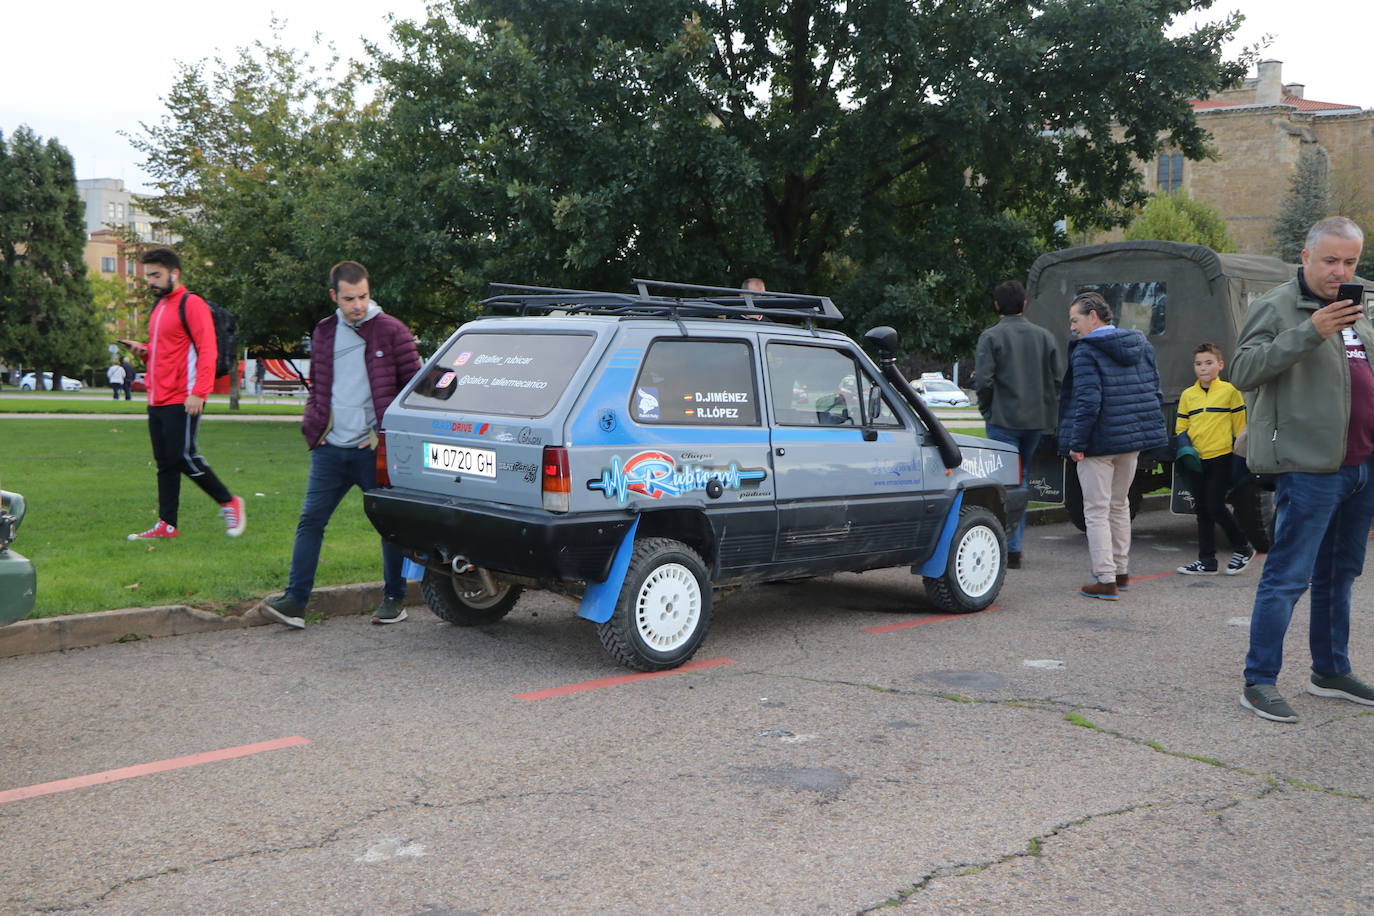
<point x="17" y="403"/>
<point x="89" y="483"/>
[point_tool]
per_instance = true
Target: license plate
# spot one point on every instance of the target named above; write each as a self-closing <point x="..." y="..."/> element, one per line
<point x="459" y="459"/>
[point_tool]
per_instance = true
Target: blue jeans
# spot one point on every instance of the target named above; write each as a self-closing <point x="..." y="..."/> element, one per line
<point x="333" y="472"/>
<point x="1321" y="528"/>
<point x="1025" y="441"/>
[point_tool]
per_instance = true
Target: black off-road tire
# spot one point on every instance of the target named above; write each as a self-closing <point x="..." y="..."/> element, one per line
<point x="461" y="601"/>
<point x="976" y="567"/>
<point x="664" y="607"/>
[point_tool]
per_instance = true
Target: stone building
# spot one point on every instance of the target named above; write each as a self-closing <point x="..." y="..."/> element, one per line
<point x="1258" y="131"/>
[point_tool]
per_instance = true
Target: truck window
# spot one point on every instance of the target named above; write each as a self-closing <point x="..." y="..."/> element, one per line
<point x="1140" y="306"/>
<point x="822" y="386"/>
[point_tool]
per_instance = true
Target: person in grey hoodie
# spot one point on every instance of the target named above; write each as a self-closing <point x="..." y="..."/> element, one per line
<point x="360" y="359"/>
<point x="1110" y="409"/>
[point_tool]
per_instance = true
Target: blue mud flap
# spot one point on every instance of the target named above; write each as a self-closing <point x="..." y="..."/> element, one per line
<point x="598" y="601"/>
<point x="935" y="566"/>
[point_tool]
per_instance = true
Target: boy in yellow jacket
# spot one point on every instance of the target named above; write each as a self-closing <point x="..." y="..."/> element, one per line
<point x="1212" y="413"/>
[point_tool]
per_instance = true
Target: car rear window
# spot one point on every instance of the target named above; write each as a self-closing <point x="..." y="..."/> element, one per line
<point x="516" y="375"/>
<point x="697" y="383"/>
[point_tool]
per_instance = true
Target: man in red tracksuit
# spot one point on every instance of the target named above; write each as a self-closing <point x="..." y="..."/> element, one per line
<point x="181" y="372"/>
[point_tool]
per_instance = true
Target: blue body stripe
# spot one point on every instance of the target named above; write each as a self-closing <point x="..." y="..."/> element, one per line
<point x="598" y="601"/>
<point x="935" y="566"/>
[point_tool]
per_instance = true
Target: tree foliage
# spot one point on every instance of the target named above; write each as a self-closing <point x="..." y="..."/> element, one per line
<point x="252" y="166"/>
<point x="903" y="158"/>
<point x="1177" y="217"/>
<point x="1307" y="201"/>
<point x="46" y="318"/>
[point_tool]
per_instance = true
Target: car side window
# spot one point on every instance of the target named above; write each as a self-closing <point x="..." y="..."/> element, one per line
<point x="822" y="386"/>
<point x="697" y="383"/>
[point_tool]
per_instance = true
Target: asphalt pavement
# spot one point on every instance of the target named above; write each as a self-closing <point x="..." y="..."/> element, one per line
<point x="838" y="747"/>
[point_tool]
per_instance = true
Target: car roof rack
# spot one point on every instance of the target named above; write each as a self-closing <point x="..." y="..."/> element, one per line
<point x="661" y="298"/>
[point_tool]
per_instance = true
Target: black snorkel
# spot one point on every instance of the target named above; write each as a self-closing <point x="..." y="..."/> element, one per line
<point x="886" y="341"/>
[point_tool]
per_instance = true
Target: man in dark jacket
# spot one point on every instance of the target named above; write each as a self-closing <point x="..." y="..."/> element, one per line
<point x="1016" y="377"/>
<point x="360" y="358"/>
<point x="1110" y="408"/>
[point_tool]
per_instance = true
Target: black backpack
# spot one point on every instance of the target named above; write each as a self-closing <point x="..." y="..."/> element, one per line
<point x="226" y="324"/>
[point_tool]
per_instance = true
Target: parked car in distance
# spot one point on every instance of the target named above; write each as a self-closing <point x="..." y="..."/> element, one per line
<point x="28" y="382"/>
<point x="938" y="391"/>
<point x="139" y="383"/>
<point x="639" y="451"/>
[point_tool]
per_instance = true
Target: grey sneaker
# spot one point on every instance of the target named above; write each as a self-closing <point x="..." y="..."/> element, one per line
<point x="284" y="609"/>
<point x="1265" y="701"/>
<point x="390" y="611"/>
<point x="1343" y="687"/>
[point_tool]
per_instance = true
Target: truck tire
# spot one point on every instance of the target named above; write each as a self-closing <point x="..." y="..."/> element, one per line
<point x="664" y="608"/>
<point x="976" y="566"/>
<point x="463" y="602"/>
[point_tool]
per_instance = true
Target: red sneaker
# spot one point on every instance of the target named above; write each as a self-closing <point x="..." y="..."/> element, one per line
<point x="160" y="530"/>
<point x="234" y="518"/>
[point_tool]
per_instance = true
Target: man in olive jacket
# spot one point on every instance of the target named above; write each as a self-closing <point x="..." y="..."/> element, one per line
<point x="1303" y="362"/>
<point x="1016" y="377"/>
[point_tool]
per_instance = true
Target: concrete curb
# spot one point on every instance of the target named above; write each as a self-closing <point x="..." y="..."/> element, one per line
<point x="80" y="631"/>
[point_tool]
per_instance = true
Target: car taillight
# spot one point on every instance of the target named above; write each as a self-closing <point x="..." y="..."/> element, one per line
<point x="383" y="476"/>
<point x="557" y="485"/>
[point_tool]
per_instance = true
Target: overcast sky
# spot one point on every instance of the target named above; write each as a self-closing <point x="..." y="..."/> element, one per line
<point x="81" y="71"/>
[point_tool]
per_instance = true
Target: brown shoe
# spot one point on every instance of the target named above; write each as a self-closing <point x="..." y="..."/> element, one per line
<point x="1123" y="582"/>
<point x="1104" y="590"/>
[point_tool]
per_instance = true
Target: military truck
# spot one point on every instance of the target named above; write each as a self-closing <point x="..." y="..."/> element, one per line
<point x="1179" y="296"/>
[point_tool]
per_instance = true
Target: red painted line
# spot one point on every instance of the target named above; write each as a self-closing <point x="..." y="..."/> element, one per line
<point x="1163" y="575"/>
<point x="621" y="679"/>
<point x="144" y="769"/>
<point x="933" y="618"/>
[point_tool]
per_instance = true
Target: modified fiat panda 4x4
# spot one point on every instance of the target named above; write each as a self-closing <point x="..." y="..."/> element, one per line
<point x="638" y="451"/>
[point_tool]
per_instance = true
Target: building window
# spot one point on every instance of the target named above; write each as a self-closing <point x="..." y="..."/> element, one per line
<point x="107" y="265"/>
<point x="1170" y="171"/>
<point x="109" y="212"/>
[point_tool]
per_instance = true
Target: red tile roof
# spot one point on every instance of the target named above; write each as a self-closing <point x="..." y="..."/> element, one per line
<point x="1299" y="104"/>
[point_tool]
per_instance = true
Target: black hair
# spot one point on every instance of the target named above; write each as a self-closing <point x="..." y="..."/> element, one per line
<point x="346" y="272"/>
<point x="1010" y="298"/>
<point x="164" y="257"/>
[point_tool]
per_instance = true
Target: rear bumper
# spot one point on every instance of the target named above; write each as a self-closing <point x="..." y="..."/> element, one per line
<point x="523" y="542"/>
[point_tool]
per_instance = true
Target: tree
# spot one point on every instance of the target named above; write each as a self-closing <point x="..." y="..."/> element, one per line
<point x="901" y="158"/>
<point x="1307" y="201"/>
<point x="252" y="164"/>
<point x="1177" y="217"/>
<point x="46" y="319"/>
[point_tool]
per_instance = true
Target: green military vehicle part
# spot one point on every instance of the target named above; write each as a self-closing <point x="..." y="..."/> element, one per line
<point x="1179" y="296"/>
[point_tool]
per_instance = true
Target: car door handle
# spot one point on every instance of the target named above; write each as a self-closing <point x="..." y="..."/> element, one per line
<point x="870" y="435"/>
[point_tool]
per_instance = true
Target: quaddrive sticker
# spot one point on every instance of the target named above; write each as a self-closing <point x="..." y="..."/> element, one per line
<point x="646" y="403"/>
<point x="449" y="426"/>
<point x="656" y="475"/>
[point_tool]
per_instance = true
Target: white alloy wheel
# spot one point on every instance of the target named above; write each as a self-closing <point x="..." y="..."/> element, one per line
<point x="977" y="561"/>
<point x="668" y="607"/>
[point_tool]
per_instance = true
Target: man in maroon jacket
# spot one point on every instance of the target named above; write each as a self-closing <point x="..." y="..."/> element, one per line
<point x="360" y="358"/>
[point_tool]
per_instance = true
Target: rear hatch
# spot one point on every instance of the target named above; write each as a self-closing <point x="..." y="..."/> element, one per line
<point x="473" y="424"/>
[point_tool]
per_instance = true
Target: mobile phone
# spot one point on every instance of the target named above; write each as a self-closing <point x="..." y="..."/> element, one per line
<point x="1352" y="291"/>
